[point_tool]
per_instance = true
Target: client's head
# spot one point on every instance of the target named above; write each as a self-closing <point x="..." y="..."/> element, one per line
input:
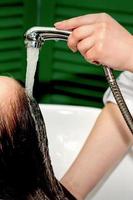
<point x="25" y="168"/>
<point x="20" y="158"/>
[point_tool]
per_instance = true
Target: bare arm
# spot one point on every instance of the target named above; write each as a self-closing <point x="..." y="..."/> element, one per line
<point x="109" y="140"/>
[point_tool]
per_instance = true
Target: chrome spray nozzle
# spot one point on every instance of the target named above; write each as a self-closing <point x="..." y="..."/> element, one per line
<point x="36" y="36"/>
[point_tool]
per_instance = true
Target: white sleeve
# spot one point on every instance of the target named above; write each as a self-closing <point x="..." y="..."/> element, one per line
<point x="125" y="82"/>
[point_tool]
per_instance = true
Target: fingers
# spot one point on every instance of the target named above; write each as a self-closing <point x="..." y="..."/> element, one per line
<point x="77" y="21"/>
<point x="91" y="55"/>
<point x="85" y="45"/>
<point x="89" y="35"/>
<point x="79" y="34"/>
<point x="88" y="49"/>
<point x="94" y="56"/>
<point x="84" y="40"/>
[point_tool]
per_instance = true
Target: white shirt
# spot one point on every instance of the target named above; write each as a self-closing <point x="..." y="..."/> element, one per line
<point x="125" y="82"/>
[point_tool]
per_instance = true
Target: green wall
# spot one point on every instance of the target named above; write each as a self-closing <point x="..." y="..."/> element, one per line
<point x="62" y="77"/>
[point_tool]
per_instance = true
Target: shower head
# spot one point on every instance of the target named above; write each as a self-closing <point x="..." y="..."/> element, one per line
<point x="36" y="36"/>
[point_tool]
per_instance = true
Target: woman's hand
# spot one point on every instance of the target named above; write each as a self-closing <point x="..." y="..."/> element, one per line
<point x="100" y="39"/>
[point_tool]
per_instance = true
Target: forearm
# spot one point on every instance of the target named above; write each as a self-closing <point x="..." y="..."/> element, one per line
<point x="109" y="140"/>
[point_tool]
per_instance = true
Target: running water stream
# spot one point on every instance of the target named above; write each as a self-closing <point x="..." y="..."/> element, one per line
<point x="32" y="58"/>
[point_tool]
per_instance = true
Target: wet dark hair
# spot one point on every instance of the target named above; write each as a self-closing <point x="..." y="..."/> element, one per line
<point x="25" y="167"/>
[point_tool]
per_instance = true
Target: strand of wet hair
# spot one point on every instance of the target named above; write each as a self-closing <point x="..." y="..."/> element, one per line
<point x="55" y="188"/>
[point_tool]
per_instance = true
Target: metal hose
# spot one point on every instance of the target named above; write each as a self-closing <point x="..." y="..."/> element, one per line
<point x="118" y="97"/>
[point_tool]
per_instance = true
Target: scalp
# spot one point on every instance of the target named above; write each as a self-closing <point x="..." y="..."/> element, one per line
<point x="9" y="89"/>
<point x="11" y="93"/>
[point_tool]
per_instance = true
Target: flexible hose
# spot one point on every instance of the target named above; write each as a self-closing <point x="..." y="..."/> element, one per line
<point x="118" y="97"/>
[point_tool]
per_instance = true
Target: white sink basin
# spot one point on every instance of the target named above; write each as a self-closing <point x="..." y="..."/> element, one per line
<point x="67" y="129"/>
